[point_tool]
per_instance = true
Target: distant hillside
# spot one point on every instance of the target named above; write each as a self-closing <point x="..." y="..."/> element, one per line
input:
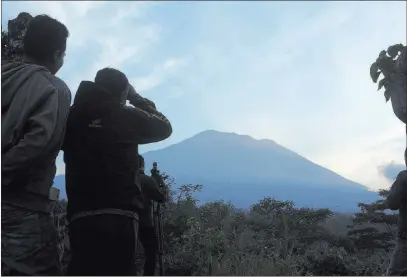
<point x="59" y="182"/>
<point x="242" y="170"/>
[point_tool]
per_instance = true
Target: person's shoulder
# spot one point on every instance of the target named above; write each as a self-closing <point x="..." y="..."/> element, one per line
<point x="38" y="75"/>
<point x="402" y="176"/>
<point x="147" y="179"/>
<point x="60" y="86"/>
<point x="401" y="179"/>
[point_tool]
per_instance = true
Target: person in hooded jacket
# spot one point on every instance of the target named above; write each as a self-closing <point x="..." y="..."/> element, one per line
<point x="100" y="153"/>
<point x="34" y="108"/>
<point x="147" y="233"/>
<point x="397" y="200"/>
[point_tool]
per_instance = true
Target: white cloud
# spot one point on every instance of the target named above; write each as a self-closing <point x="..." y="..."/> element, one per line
<point x="160" y="73"/>
<point x="111" y="29"/>
<point x="391" y="169"/>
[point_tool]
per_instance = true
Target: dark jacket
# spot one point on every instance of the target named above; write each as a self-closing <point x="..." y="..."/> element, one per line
<point x="101" y="150"/>
<point x="397" y="200"/>
<point x="151" y="192"/>
<point x="155" y="173"/>
<point x="34" y="110"/>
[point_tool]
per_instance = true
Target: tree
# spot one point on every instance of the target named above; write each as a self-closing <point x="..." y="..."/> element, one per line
<point x="373" y="229"/>
<point x="12" y="39"/>
<point x="282" y="221"/>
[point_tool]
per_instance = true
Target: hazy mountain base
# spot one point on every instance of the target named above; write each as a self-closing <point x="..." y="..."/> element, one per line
<point x="243" y="170"/>
<point x="246" y="170"/>
<point x="272" y="238"/>
<point x="243" y="193"/>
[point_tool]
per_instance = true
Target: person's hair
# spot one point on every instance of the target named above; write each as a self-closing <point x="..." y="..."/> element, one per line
<point x="140" y="161"/>
<point x="113" y="80"/>
<point x="44" y="36"/>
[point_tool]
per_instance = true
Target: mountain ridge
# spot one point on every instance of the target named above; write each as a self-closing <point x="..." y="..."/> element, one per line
<point x="243" y="170"/>
<point x="248" y="139"/>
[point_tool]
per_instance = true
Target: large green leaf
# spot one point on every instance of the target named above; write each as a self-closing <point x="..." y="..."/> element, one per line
<point x="374" y="72"/>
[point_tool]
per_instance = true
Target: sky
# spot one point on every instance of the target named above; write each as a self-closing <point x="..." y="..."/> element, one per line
<point x="293" y="72"/>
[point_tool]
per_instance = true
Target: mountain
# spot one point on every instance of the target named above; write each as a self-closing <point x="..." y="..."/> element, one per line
<point x="59" y="183"/>
<point x="243" y="170"/>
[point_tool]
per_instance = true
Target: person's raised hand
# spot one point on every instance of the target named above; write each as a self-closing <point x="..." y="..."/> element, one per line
<point x="132" y="94"/>
<point x="138" y="101"/>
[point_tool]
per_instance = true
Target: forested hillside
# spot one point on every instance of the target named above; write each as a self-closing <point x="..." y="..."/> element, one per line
<point x="271" y="238"/>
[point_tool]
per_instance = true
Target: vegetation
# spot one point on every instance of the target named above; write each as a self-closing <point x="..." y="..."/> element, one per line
<point x="12" y="39"/>
<point x="390" y="64"/>
<point x="272" y="238"/>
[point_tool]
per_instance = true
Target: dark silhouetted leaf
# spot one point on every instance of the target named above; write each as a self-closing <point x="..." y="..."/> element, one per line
<point x="382" y="54"/>
<point x="394" y="50"/>
<point x="382" y="82"/>
<point x="386" y="65"/>
<point x="387" y="95"/>
<point x="374" y="72"/>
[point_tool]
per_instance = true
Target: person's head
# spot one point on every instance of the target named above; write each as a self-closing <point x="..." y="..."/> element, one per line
<point x="155" y="165"/>
<point x="45" y="42"/>
<point x="140" y="162"/>
<point x="114" y="81"/>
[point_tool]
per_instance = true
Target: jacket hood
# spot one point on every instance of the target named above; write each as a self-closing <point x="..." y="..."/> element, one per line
<point x="13" y="76"/>
<point x="90" y="92"/>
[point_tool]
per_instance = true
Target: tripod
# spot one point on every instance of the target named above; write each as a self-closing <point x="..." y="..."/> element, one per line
<point x="159" y="231"/>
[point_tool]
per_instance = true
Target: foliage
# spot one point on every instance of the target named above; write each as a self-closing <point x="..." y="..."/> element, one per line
<point x="373" y="230"/>
<point x="7" y="51"/>
<point x="11" y="40"/>
<point x="272" y="238"/>
<point x="59" y="215"/>
<point x="4" y="46"/>
<point x="373" y="227"/>
<point x="390" y="64"/>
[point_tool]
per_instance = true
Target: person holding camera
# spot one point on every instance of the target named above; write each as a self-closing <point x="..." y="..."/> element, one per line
<point x="147" y="233"/>
<point x="155" y="173"/>
<point x="100" y="153"/>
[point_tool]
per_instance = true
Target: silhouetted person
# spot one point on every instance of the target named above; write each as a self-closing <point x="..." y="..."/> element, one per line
<point x="100" y="153"/>
<point x="155" y="173"/>
<point x="148" y="236"/>
<point x="397" y="200"/>
<point x="34" y="108"/>
<point x="155" y="170"/>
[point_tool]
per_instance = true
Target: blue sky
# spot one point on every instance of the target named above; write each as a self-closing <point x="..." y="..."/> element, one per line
<point x="294" y="72"/>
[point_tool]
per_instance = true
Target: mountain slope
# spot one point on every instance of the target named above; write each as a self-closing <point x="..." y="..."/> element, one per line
<point x="59" y="183"/>
<point x="243" y="170"/>
<point x="228" y="156"/>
